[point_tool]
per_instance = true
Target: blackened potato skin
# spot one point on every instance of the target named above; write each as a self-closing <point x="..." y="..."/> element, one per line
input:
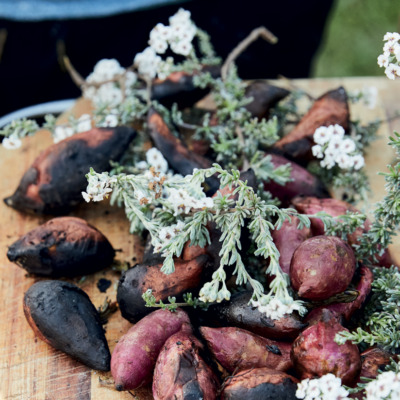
<point x="63" y="316"/>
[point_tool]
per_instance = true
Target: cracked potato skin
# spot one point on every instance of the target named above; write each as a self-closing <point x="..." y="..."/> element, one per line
<point x="181" y="372"/>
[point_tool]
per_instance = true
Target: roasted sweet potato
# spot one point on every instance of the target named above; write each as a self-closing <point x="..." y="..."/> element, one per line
<point x="321" y="267"/>
<point x="302" y="182"/>
<point x="335" y="207"/>
<point x="265" y="96"/>
<point x="135" y="355"/>
<point x="64" y="246"/>
<point x="287" y="239"/>
<point x="181" y="372"/>
<point x="54" y="182"/>
<point x="238" y="349"/>
<point x="63" y="316"/>
<point x="239" y="313"/>
<point x="178" y="88"/>
<point x="346" y="310"/>
<point x="174" y="150"/>
<point x="315" y="352"/>
<point x="133" y="283"/>
<point x="329" y="109"/>
<point x="260" y="383"/>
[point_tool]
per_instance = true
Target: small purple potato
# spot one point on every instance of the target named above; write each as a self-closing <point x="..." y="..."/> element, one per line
<point x="135" y="355"/>
<point x="64" y="246"/>
<point x="302" y="183"/>
<point x="238" y="349"/>
<point x="181" y="372"/>
<point x="315" y="352"/>
<point x="287" y="239"/>
<point x="260" y="383"/>
<point x="63" y="316"/>
<point x="321" y="267"/>
<point x="239" y="313"/>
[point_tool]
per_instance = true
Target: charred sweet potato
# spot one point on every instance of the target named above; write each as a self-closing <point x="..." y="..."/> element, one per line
<point x="265" y="96"/>
<point x="238" y="349"/>
<point x="239" y="313"/>
<point x="63" y="316"/>
<point x="287" y="239"/>
<point x="321" y="267"/>
<point x="302" y="182"/>
<point x="315" y="352"/>
<point x="178" y="88"/>
<point x="346" y="310"/>
<point x="135" y="355"/>
<point x="64" y="246"/>
<point x="260" y="383"/>
<point x="181" y="372"/>
<point x="54" y="182"/>
<point x="174" y="150"/>
<point x="133" y="283"/>
<point x="329" y="109"/>
<point x="335" y="207"/>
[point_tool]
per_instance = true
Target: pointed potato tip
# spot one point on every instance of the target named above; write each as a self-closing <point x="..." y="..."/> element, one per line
<point x="119" y="387"/>
<point x="9" y="201"/>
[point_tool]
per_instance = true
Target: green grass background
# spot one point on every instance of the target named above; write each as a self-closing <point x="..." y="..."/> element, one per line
<point x="353" y="37"/>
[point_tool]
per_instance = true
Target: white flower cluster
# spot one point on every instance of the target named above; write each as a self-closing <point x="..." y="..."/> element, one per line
<point x="274" y="308"/>
<point x="368" y="95"/>
<point x="156" y="159"/>
<point x="62" y="132"/>
<point x="182" y="202"/>
<point x="385" y="386"/>
<point x="390" y="59"/>
<point x="328" y="387"/>
<point x="167" y="233"/>
<point x="335" y="149"/>
<point x="178" y="36"/>
<point x="99" y="186"/>
<point x="12" y="142"/>
<point x="209" y="293"/>
<point x="109" y="93"/>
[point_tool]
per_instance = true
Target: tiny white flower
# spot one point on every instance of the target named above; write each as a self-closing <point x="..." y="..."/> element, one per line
<point x="391" y="36"/>
<point x="391" y="47"/>
<point x="180" y="17"/>
<point x="347" y="145"/>
<point x="142" y="165"/>
<point x="392" y="71"/>
<point x="358" y="161"/>
<point x="317" y="151"/>
<point x="84" y="123"/>
<point x="110" y="121"/>
<point x="155" y="159"/>
<point x="383" y="59"/>
<point x="369" y="96"/>
<point x="12" y="142"/>
<point x="322" y="135"/>
<point x="147" y="62"/>
<point x="62" y="132"/>
<point x="160" y="31"/>
<point x="344" y="161"/>
<point x="86" y="196"/>
<point x="328" y="162"/>
<point x="337" y="131"/>
<point x="182" y="47"/>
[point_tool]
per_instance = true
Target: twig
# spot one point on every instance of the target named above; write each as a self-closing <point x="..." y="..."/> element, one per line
<point x="260" y="32"/>
<point x="3" y="39"/>
<point x="75" y="75"/>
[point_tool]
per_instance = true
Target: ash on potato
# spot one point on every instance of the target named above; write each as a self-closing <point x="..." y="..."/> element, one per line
<point x="64" y="246"/>
<point x="54" y="182"/>
<point x="63" y="316"/>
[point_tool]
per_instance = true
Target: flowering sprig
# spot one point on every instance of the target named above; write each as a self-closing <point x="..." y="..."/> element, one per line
<point x="390" y="59"/>
<point x="335" y="149"/>
<point x="385" y="387"/>
<point x="328" y="387"/>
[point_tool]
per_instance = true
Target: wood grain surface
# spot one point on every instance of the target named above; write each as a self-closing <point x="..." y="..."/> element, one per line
<point x="29" y="368"/>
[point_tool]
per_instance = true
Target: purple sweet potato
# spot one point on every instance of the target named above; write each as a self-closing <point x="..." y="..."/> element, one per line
<point x="239" y="313"/>
<point x="63" y="316"/>
<point x="264" y="96"/>
<point x="238" y="349"/>
<point x="321" y="267"/>
<point x="54" y="182"/>
<point x="346" y="310"/>
<point x="135" y="355"/>
<point x="302" y="182"/>
<point x="334" y="207"/>
<point x="287" y="239"/>
<point x="181" y="372"/>
<point x="260" y="383"/>
<point x="315" y="352"/>
<point x="329" y="109"/>
<point x="133" y="283"/>
<point x="64" y="246"/>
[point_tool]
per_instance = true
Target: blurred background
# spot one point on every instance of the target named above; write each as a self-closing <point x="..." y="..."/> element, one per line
<point x="317" y="38"/>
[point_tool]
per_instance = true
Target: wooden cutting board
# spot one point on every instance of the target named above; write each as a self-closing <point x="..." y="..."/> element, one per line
<point x="29" y="368"/>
